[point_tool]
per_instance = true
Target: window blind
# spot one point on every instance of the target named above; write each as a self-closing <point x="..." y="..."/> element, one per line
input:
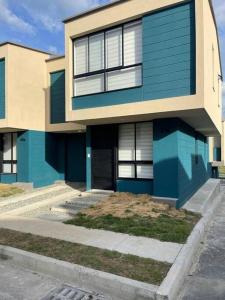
<point x="81" y="56"/>
<point x="114" y="48"/>
<point x="96" y="49"/>
<point x="132" y="43"/>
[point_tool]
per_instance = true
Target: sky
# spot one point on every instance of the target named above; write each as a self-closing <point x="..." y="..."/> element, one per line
<point x="38" y="23"/>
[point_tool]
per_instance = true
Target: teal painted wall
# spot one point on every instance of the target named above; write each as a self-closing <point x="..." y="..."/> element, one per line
<point x="2" y="88"/>
<point x="168" y="60"/>
<point x="76" y="157"/>
<point x="57" y="97"/>
<point x="8" y="178"/>
<point x="181" y="160"/>
<point x="135" y="186"/>
<point x="193" y="167"/>
<point x="165" y="158"/>
<point x="217" y="154"/>
<point x="40" y="158"/>
<point x="45" y="157"/>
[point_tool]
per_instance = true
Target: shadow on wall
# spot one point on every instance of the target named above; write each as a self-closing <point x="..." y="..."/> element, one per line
<point x="181" y="160"/>
<point x="177" y="182"/>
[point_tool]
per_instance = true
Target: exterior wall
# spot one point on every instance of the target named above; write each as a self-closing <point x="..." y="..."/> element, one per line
<point x="8" y="178"/>
<point x="57" y="97"/>
<point x="193" y="166"/>
<point x="76" y="157"/>
<point x="40" y="158"/>
<point x="27" y="93"/>
<point x="54" y="66"/>
<point x="212" y="69"/>
<point x="2" y="88"/>
<point x="43" y="158"/>
<point x="165" y="158"/>
<point x="180" y="162"/>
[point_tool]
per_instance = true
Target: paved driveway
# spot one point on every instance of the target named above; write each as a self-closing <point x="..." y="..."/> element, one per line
<point x="207" y="281"/>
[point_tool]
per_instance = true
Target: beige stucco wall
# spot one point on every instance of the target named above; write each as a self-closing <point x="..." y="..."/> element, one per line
<point x="25" y="88"/>
<point x="128" y="10"/>
<point x="212" y="84"/>
<point x="55" y="65"/>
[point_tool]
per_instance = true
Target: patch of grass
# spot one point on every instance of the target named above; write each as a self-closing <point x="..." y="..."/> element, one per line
<point x="7" y="190"/>
<point x="141" y="269"/>
<point x="163" y="228"/>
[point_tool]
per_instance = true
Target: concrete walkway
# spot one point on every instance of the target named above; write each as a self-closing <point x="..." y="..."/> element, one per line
<point x="207" y="278"/>
<point x="123" y="243"/>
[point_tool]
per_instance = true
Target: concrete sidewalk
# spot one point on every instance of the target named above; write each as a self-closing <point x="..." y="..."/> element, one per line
<point x="123" y="243"/>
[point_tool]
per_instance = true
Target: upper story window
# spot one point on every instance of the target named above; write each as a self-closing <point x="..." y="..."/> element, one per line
<point x="109" y="60"/>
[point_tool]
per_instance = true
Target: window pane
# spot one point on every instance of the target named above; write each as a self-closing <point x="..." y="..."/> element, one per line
<point x="126" y="142"/>
<point x="144" y="141"/>
<point x="89" y="85"/>
<point x="81" y="56"/>
<point x="126" y="171"/>
<point x="6" y="168"/>
<point x="145" y="171"/>
<point x="7" y="146"/>
<point x="132" y="43"/>
<point x="124" y="78"/>
<point x="114" y="48"/>
<point x="14" y="146"/>
<point x="14" y="168"/>
<point x="96" y="50"/>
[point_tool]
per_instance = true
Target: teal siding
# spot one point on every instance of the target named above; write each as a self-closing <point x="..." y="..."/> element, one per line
<point x="181" y="160"/>
<point x="135" y="186"/>
<point x="168" y="60"/>
<point x="8" y="178"/>
<point x="2" y="88"/>
<point x="76" y="157"/>
<point x="165" y="158"/>
<point x="57" y="97"/>
<point x="43" y="158"/>
<point x="39" y="158"/>
<point x="193" y="167"/>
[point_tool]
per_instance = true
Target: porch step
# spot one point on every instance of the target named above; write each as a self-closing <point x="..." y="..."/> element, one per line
<point x="30" y="195"/>
<point x="100" y="192"/>
<point x="63" y="195"/>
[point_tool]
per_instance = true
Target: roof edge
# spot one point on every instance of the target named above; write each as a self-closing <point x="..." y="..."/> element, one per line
<point x="55" y="57"/>
<point x="93" y="10"/>
<point x="25" y="47"/>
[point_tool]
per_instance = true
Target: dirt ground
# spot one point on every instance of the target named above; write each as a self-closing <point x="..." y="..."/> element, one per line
<point x="7" y="190"/>
<point x="125" y="205"/>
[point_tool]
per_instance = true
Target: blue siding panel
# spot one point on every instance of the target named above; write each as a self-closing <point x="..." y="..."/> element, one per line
<point x="2" y="88"/>
<point x="8" y="178"/>
<point x="57" y="97"/>
<point x="135" y="186"/>
<point x="193" y="168"/>
<point x="168" y="60"/>
<point x="76" y="157"/>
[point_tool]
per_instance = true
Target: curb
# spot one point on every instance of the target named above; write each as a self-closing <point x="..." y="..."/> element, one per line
<point x="174" y="280"/>
<point x="82" y="277"/>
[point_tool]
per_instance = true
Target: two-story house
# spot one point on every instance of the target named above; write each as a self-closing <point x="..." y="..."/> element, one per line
<point x="128" y="108"/>
<point x="145" y="78"/>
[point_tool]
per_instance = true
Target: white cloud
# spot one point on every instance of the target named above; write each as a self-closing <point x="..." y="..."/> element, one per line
<point x="53" y="49"/>
<point x="49" y="14"/>
<point x="14" y="22"/>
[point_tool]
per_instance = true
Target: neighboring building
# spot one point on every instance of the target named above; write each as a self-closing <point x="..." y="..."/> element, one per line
<point x="36" y="144"/>
<point x="143" y="78"/>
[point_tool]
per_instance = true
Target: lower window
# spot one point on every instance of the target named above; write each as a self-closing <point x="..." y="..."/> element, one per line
<point x="135" y="159"/>
<point x="8" y="153"/>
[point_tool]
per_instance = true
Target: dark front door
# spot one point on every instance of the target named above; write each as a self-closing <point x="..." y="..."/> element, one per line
<point x="103" y="142"/>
